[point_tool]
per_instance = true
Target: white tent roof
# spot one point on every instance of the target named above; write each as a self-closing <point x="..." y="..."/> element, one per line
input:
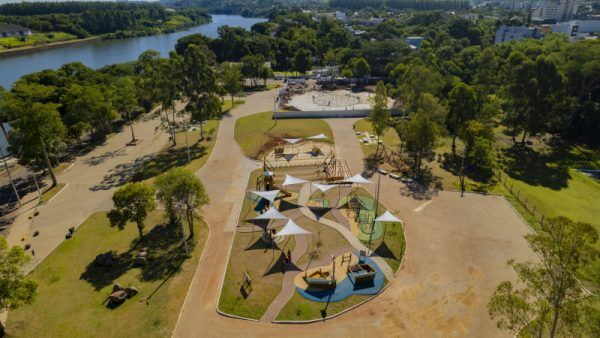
<point x="318" y="137"/>
<point x="358" y="179"/>
<point x="291" y="180"/>
<point x="291" y="228"/>
<point x="387" y="217"/>
<point x="272" y="213"/>
<point x="324" y="187"/>
<point x="292" y="140"/>
<point x="268" y="195"/>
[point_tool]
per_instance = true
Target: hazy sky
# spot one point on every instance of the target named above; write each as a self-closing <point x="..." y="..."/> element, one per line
<point x="7" y="1"/>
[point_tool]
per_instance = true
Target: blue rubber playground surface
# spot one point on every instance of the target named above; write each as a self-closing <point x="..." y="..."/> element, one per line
<point x="346" y="288"/>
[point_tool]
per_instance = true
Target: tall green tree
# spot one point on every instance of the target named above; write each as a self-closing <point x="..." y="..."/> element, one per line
<point x="359" y="67"/>
<point x="3" y="111"/>
<point x="15" y="288"/>
<point x="232" y="79"/>
<point x="180" y="186"/>
<point x="91" y="104"/>
<point x="170" y="82"/>
<point x="125" y="100"/>
<point x="37" y="126"/>
<point x="132" y="203"/>
<point x="462" y="108"/>
<point x="200" y="86"/>
<point x="380" y="116"/>
<point x="251" y="67"/>
<point x="420" y="133"/>
<point x="542" y="299"/>
<point x="302" y="60"/>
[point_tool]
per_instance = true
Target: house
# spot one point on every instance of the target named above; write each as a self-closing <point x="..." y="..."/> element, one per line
<point x="8" y="30"/>
<point x="510" y="33"/>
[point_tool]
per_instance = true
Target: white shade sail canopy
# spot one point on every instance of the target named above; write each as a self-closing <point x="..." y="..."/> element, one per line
<point x="358" y="179"/>
<point x="291" y="180"/>
<point x="292" y="140"/>
<point x="318" y="137"/>
<point x="270" y="195"/>
<point x="387" y="216"/>
<point x="272" y="213"/>
<point x="291" y="228"/>
<point x="324" y="187"/>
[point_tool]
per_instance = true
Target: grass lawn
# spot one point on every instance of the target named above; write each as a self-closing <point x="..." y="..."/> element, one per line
<point x="300" y="308"/>
<point x="227" y="105"/>
<point x="258" y="132"/>
<point x="261" y="263"/>
<point x="176" y="156"/>
<point x="48" y="194"/>
<point x="390" y="137"/>
<point x="34" y="39"/>
<point x="72" y="289"/>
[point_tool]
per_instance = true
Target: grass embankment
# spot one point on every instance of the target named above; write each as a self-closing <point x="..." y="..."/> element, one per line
<point x="259" y="132"/>
<point x="176" y="156"/>
<point x="50" y="193"/>
<point x="72" y="289"/>
<point x="390" y="137"/>
<point x="35" y="39"/>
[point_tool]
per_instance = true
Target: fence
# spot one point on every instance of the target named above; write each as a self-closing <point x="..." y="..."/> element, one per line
<point x="524" y="200"/>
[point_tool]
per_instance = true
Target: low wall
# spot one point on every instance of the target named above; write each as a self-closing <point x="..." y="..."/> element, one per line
<point x="326" y="114"/>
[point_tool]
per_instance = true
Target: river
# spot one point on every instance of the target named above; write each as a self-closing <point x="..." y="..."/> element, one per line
<point x="96" y="54"/>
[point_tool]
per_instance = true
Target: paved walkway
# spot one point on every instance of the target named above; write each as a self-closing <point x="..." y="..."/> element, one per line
<point x="91" y="182"/>
<point x="288" y="287"/>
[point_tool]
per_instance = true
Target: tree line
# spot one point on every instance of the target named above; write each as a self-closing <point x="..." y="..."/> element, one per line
<point x="114" y="20"/>
<point x="402" y="4"/>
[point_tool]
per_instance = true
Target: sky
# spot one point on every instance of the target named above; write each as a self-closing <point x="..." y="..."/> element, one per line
<point x="11" y="1"/>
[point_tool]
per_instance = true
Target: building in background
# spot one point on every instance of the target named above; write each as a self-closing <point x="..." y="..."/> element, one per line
<point x="577" y="29"/>
<point x="10" y="30"/>
<point x="552" y="11"/>
<point x="510" y="33"/>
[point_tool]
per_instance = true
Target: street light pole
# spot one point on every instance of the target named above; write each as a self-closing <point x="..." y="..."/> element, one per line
<point x="376" y="207"/>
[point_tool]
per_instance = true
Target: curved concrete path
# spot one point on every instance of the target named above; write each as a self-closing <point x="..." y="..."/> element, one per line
<point x="288" y="286"/>
<point x="456" y="255"/>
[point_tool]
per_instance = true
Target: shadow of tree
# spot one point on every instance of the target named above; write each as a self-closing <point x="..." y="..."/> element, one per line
<point x="549" y="168"/>
<point x="99" y="159"/>
<point x="149" y="166"/>
<point x="164" y="258"/>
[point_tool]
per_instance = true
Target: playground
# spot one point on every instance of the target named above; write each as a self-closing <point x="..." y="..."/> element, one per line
<point x="307" y="233"/>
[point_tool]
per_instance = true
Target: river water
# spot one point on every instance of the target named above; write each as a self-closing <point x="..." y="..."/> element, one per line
<point x="96" y="54"/>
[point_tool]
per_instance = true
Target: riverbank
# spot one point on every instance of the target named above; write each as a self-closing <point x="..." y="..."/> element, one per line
<point x="51" y="45"/>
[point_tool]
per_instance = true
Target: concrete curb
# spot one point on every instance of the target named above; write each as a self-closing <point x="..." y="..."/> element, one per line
<point x="56" y="195"/>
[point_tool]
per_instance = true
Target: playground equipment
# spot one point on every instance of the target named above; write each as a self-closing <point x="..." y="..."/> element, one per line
<point x="333" y="169"/>
<point x="361" y="273"/>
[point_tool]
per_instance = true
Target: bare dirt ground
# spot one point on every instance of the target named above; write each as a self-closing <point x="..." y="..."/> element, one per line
<point x="456" y="254"/>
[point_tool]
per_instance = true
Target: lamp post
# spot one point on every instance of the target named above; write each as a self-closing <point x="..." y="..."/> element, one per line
<point x="376" y="207"/>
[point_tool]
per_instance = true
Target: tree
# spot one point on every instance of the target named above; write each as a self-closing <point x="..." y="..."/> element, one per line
<point x="37" y="125"/>
<point x="133" y="202"/>
<point x="3" y="111"/>
<point x="420" y="134"/>
<point x="125" y="100"/>
<point x="548" y="286"/>
<point x="179" y="187"/>
<point x="302" y="60"/>
<point x="251" y="66"/>
<point x="169" y="81"/>
<point x="15" y="288"/>
<point x="232" y="79"/>
<point x="359" y="67"/>
<point x="90" y="104"/>
<point x="462" y="108"/>
<point x="478" y="150"/>
<point x="200" y="86"/>
<point x="380" y="116"/>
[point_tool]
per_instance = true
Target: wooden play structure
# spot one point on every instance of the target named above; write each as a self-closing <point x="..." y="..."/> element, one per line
<point x="361" y="273"/>
<point x="333" y="169"/>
